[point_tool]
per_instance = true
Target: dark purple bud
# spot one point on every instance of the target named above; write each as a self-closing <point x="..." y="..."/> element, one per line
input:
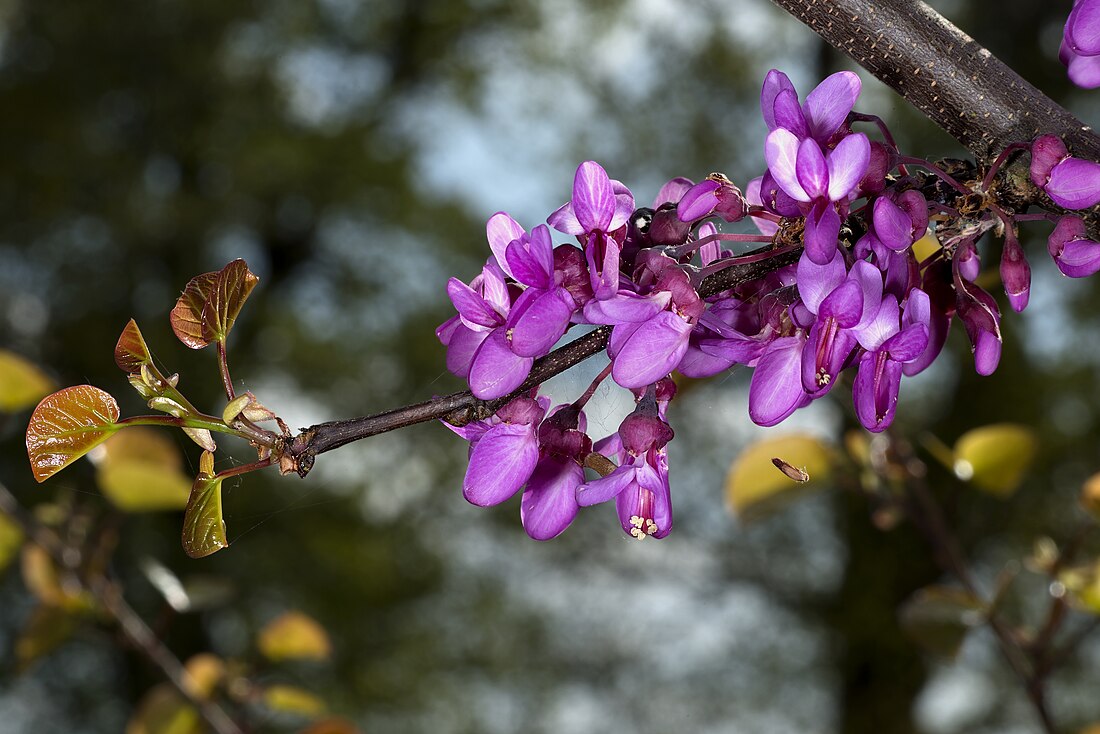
<point x="521" y="411"/>
<point x="559" y="434"/>
<point x="967" y="261"/>
<point x="570" y="264"/>
<point x="641" y="432"/>
<point x="913" y="203"/>
<point x="1075" y="254"/>
<point x="1047" y="151"/>
<point x="1015" y="274"/>
<point x="666" y="228"/>
<point x="882" y="160"/>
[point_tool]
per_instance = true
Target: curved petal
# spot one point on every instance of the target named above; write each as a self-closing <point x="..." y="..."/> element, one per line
<point x="626" y="307"/>
<point x="471" y="307"/>
<point x="501" y="230"/>
<point x="1079" y="258"/>
<point x="496" y="370"/>
<point x="827" y="106"/>
<point x="847" y="163"/>
<point x="645" y="507"/>
<point x="781" y="153"/>
<point x="811" y="169"/>
<point x="652" y="351"/>
<point x="593" y="197"/>
<point x="815" y="281"/>
<point x="542" y="323"/>
<point x="1084" y="71"/>
<point x="564" y="219"/>
<point x="549" y="503"/>
<point x="461" y="347"/>
<point x="821" y="233"/>
<point x="1075" y="183"/>
<point x="893" y="227"/>
<point x="604" y="488"/>
<point x="752" y="196"/>
<point x="907" y="344"/>
<point x="774" y="83"/>
<point x="500" y="463"/>
<point x="883" y="325"/>
<point x="1082" y="31"/>
<point x="776" y="387"/>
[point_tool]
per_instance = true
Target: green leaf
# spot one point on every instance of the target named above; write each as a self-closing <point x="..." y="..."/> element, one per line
<point x="294" y="636"/>
<point x="756" y="485"/>
<point x="164" y="711"/>
<point x="131" y="352"/>
<point x="210" y="304"/>
<point x="21" y="383"/>
<point x="67" y="425"/>
<point x="995" y="458"/>
<point x="293" y="700"/>
<point x="48" y="627"/>
<point x="141" y="472"/>
<point x="11" y="540"/>
<point x="203" y="526"/>
<point x="939" y="617"/>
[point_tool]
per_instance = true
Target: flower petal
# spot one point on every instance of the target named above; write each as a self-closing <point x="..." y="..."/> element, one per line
<point x="500" y="463"/>
<point x="1074" y="183"/>
<point x="604" y="488"/>
<point x="811" y="169"/>
<point x="775" y="83"/>
<point x="652" y="351"/>
<point x="827" y="106"/>
<point x="815" y="281"/>
<point x="496" y="370"/>
<point x="626" y="307"/>
<point x="821" y="233"/>
<point x="593" y="197"/>
<point x="549" y="503"/>
<point x="893" y="227"/>
<point x="776" y="387"/>
<point x="540" y="325"/>
<point x="781" y="153"/>
<point x="847" y="163"/>
<point x="471" y="307"/>
<point x="501" y="230"/>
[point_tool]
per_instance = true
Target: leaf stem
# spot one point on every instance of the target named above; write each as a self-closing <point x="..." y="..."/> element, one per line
<point x="223" y="368"/>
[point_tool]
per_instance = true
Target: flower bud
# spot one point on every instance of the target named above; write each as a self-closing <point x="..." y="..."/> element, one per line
<point x="1015" y="274"/>
<point x="967" y="261"/>
<point x="1046" y="152"/>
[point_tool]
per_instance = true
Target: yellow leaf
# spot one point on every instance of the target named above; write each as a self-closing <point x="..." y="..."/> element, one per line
<point x="293" y="700"/>
<point x="43" y="581"/>
<point x="140" y="471"/>
<point x="925" y="247"/>
<point x="164" y="711"/>
<point x="205" y="671"/>
<point x="755" y="486"/>
<point x="21" y="383"/>
<point x="1083" y="585"/>
<point x="995" y="458"/>
<point x="294" y="636"/>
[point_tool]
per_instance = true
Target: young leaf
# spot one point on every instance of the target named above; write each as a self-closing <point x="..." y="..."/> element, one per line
<point x="203" y="526"/>
<point x="141" y="472"/>
<point x="21" y="383"/>
<point x="293" y="700"/>
<point x="756" y="486"/>
<point x="67" y="425"/>
<point x="210" y="304"/>
<point x="131" y="351"/>
<point x="294" y="636"/>
<point x="995" y="458"/>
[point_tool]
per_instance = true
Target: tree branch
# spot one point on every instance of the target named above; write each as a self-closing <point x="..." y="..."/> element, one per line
<point x="944" y="73"/>
<point x="459" y="408"/>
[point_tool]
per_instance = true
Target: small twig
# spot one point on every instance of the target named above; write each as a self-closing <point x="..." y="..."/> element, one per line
<point x="928" y="518"/>
<point x="131" y="624"/>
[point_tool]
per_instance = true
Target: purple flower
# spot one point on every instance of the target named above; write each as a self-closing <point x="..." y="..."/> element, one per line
<point x="715" y="194"/>
<point x="503" y="451"/>
<point x="1075" y="254"/>
<point x="1071" y="183"/>
<point x="1080" y="49"/>
<point x="549" y="502"/>
<point x="644" y="351"/>
<point x="775" y="390"/>
<point x="640" y="483"/>
<point x="494" y="370"/>
<point x="599" y="208"/>
<point x="1015" y="273"/>
<point x="817" y="180"/>
<point x="981" y="316"/>
<point x="889" y="346"/>
<point x="824" y="112"/>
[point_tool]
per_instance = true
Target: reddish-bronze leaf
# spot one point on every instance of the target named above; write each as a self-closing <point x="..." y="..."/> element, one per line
<point x="186" y="317"/>
<point x="67" y="425"/>
<point x="210" y="304"/>
<point x="131" y="351"/>
<point x="203" y="526"/>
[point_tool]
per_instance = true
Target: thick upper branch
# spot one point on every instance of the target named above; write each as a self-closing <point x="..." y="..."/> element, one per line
<point x="943" y="72"/>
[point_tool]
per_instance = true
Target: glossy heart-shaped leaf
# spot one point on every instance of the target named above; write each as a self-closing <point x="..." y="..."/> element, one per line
<point x="203" y="526"/>
<point x="67" y="425"/>
<point x="210" y="303"/>
<point x="21" y="383"/>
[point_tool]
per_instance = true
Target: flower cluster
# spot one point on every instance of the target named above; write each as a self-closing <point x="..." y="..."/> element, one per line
<point x="1080" y="49"/>
<point x="859" y="300"/>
